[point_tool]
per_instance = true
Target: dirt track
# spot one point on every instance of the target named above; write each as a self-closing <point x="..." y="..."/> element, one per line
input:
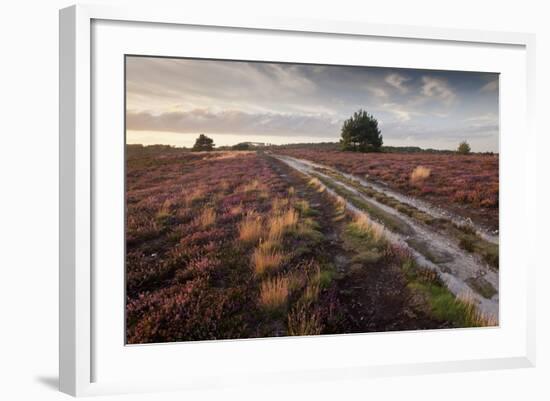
<point x="461" y="271"/>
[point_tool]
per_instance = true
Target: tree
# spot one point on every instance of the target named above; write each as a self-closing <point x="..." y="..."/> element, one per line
<point x="360" y="133"/>
<point x="203" y="143"/>
<point x="463" y="148"/>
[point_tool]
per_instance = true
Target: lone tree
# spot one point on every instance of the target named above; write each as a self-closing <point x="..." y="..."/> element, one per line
<point x="360" y="133"/>
<point x="203" y="143"/>
<point x="463" y="148"/>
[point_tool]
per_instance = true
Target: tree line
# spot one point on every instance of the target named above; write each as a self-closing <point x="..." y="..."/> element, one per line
<point x="359" y="133"/>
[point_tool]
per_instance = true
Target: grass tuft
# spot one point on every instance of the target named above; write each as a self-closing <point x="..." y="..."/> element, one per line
<point x="341" y="204"/>
<point x="265" y="260"/>
<point x="279" y="204"/>
<point x="473" y="317"/>
<point x="192" y="196"/>
<point x="251" y="186"/>
<point x="304" y="321"/>
<point x="316" y="183"/>
<point x="250" y="228"/>
<point x="164" y="212"/>
<point x="207" y="217"/>
<point x="302" y="206"/>
<point x="281" y="223"/>
<point x="274" y="293"/>
<point x="420" y="174"/>
<point x="363" y="226"/>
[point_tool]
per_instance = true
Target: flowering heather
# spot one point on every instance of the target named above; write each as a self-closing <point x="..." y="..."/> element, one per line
<point x="223" y="245"/>
<point x="189" y="269"/>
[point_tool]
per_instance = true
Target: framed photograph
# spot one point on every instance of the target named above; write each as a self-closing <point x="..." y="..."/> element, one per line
<point x="275" y="200"/>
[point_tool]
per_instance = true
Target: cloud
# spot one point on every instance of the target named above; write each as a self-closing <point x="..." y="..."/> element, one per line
<point x="377" y="92"/>
<point x="397" y="81"/>
<point x="398" y="130"/>
<point x="213" y="96"/>
<point x="490" y="86"/>
<point x="234" y="121"/>
<point x="482" y="118"/>
<point x="438" y="89"/>
<point x="482" y="124"/>
<point x="400" y="112"/>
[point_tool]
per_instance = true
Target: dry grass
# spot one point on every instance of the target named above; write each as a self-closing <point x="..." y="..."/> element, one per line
<point x="206" y="218"/>
<point x="317" y="184"/>
<point x="235" y="210"/>
<point x="474" y="317"/>
<point x="341" y="204"/>
<point x="281" y="223"/>
<point x="269" y="245"/>
<point x="420" y="174"/>
<point x="302" y="206"/>
<point x="254" y="185"/>
<point x="311" y="292"/>
<point x="304" y="321"/>
<point x="250" y="228"/>
<point x="264" y="260"/>
<point x="279" y="204"/>
<point x="164" y="210"/>
<point x="366" y="226"/>
<point x="274" y="293"/>
<point x="192" y="196"/>
<point x="229" y="154"/>
<point x="296" y="281"/>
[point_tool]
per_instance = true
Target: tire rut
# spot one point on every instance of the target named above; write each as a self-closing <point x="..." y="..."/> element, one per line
<point x="461" y="272"/>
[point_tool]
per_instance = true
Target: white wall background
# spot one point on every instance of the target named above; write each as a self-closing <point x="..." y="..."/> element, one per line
<point x="29" y="186"/>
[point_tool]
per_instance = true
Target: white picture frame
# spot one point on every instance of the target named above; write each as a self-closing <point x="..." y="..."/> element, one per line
<point x="79" y="152"/>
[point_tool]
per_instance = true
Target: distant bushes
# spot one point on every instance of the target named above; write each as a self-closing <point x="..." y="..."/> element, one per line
<point x="463" y="148"/>
<point x="203" y="143"/>
<point x="242" y="146"/>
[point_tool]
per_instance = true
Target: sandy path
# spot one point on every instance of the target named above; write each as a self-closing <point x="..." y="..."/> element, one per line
<point x="460" y="270"/>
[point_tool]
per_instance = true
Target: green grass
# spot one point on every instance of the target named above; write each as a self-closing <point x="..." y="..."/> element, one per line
<point x="490" y="254"/>
<point x="305" y="210"/>
<point x="368" y="249"/>
<point x="308" y="229"/>
<point x="443" y="304"/>
<point x="326" y="275"/>
<point x="472" y="243"/>
<point x="357" y="238"/>
<point x="367" y="257"/>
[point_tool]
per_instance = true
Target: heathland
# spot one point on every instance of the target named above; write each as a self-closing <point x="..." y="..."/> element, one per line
<point x="307" y="240"/>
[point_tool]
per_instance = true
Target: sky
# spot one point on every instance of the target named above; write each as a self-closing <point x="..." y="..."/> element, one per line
<point x="171" y="101"/>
